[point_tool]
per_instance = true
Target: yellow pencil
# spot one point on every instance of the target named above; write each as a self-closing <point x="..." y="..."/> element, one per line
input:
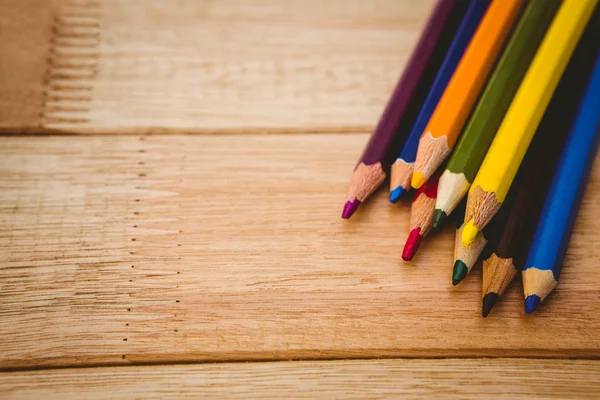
<point x="502" y="161"/>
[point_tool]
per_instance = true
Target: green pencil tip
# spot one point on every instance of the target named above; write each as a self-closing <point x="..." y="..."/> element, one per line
<point x="438" y="218"/>
<point x="460" y="272"/>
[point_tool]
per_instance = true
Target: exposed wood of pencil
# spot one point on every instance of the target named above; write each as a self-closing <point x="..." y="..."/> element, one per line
<point x="468" y="254"/>
<point x="111" y="238"/>
<point x="348" y="379"/>
<point x="227" y="66"/>
<point x="401" y="174"/>
<point x="465" y="257"/>
<point x="481" y="207"/>
<point x="538" y="282"/>
<point x="505" y="232"/>
<point x="421" y="213"/>
<point x="364" y="181"/>
<point x="453" y="187"/>
<point x="421" y="217"/>
<point x="498" y="272"/>
<point x="431" y="153"/>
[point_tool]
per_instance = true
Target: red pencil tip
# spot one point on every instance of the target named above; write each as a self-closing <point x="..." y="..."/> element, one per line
<point x="349" y="208"/>
<point x="412" y="244"/>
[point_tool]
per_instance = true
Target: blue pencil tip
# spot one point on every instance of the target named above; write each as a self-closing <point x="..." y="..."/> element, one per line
<point x="531" y="303"/>
<point x="396" y="194"/>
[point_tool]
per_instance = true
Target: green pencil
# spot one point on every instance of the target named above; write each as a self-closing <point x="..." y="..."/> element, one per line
<point x="465" y="257"/>
<point x="495" y="100"/>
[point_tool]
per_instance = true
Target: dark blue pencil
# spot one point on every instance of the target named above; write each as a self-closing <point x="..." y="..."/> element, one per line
<point x="402" y="169"/>
<point x="551" y="239"/>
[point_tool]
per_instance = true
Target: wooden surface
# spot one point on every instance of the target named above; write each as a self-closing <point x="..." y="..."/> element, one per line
<point x="190" y="248"/>
<point x="385" y="379"/>
<point x="118" y="248"/>
<point x="25" y="40"/>
<point x="214" y="66"/>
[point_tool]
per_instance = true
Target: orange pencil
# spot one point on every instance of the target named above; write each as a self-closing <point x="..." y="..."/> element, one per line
<point x="462" y="91"/>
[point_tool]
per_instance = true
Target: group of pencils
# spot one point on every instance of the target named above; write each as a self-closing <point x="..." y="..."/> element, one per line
<point x="496" y="118"/>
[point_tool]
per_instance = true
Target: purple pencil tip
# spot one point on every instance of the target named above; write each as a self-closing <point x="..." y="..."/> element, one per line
<point x="531" y="303"/>
<point x="349" y="208"/>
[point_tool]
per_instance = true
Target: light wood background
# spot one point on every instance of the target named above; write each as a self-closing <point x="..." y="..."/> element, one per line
<point x="218" y="238"/>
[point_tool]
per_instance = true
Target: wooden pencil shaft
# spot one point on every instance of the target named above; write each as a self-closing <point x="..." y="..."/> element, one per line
<point x="497" y="274"/>
<point x="423" y="207"/>
<point x="471" y="253"/>
<point x="421" y="215"/>
<point x="503" y="84"/>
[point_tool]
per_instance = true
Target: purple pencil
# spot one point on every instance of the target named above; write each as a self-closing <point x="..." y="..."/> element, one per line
<point x="374" y="164"/>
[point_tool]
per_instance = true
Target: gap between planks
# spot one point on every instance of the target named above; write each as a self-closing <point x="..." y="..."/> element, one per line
<point x="451" y="378"/>
<point x="35" y="131"/>
<point x="258" y="361"/>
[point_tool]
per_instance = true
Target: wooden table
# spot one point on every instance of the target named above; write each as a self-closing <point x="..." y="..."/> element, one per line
<point x="171" y="178"/>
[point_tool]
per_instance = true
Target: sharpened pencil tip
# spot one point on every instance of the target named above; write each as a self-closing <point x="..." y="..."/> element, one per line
<point x="417" y="180"/>
<point x="531" y="303"/>
<point x="489" y="301"/>
<point x="396" y="194"/>
<point x="349" y="208"/>
<point x="469" y="233"/>
<point x="412" y="244"/>
<point x="438" y="218"/>
<point x="459" y="272"/>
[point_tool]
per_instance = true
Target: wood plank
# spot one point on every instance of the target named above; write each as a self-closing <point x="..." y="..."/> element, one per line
<point x="213" y="66"/>
<point x="117" y="250"/>
<point x="381" y="379"/>
<point x="25" y="32"/>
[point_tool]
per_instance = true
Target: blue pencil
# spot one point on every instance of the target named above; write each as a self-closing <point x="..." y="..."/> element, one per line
<point x="553" y="231"/>
<point x="402" y="169"/>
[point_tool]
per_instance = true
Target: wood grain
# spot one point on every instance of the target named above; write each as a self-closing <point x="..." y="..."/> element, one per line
<point x="25" y="36"/>
<point x="359" y="379"/>
<point x="117" y="250"/>
<point x="117" y="66"/>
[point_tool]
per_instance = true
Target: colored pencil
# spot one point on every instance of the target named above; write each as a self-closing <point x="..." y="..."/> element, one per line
<point x="421" y="217"/>
<point x="487" y="116"/>
<point x="465" y="257"/>
<point x="507" y="229"/>
<point x="509" y="247"/>
<point x="447" y="120"/>
<point x="553" y="232"/>
<point x="373" y="165"/>
<point x="402" y="169"/>
<point x="502" y="161"/>
<point x="484" y="240"/>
